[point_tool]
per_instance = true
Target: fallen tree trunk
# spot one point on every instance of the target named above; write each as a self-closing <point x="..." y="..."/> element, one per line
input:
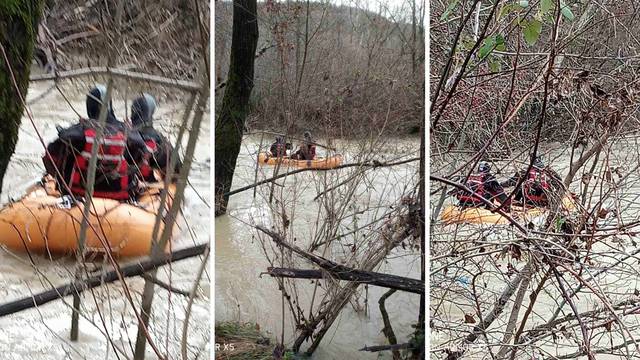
<point x="120" y="73"/>
<point x="129" y="270"/>
<point x="378" y="348"/>
<point x="359" y="276"/>
<point x="343" y="272"/>
<point x="332" y="308"/>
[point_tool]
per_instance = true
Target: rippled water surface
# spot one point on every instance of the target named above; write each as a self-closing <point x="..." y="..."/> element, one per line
<point x="242" y="294"/>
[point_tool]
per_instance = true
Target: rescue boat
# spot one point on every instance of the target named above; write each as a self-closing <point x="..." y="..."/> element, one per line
<point x="44" y="222"/>
<point x="453" y="214"/>
<point x="318" y="163"/>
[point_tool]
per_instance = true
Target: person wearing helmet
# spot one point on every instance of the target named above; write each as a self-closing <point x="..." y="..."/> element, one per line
<point x="67" y="158"/>
<point x="535" y="185"/>
<point x="484" y="185"/>
<point x="279" y="147"/>
<point x="306" y="150"/>
<point x="158" y="154"/>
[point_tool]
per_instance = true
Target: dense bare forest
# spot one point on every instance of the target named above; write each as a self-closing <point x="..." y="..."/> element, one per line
<point x="71" y="35"/>
<point x="332" y="68"/>
<point x="527" y="87"/>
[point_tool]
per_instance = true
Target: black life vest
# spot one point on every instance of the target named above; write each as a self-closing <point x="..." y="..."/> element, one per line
<point x="278" y="149"/>
<point x="112" y="171"/>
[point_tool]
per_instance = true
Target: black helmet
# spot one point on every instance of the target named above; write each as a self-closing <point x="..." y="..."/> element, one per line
<point x="537" y="162"/>
<point x="142" y="110"/>
<point x="484" y="167"/>
<point x="95" y="98"/>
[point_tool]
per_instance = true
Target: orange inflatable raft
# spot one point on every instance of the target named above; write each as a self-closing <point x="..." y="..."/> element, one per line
<point x="319" y="163"/>
<point x="452" y="214"/>
<point x="40" y="222"/>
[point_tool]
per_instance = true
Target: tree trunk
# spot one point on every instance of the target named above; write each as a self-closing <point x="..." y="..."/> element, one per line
<point x="18" y="31"/>
<point x="235" y="103"/>
<point x="418" y="352"/>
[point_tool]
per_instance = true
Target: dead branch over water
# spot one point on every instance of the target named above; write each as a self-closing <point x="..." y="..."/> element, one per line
<point x="347" y="274"/>
<point x="136" y="268"/>
<point x="369" y="164"/>
<point x="314" y="326"/>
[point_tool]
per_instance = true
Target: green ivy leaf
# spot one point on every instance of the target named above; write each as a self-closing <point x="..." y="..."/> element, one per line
<point x="509" y="8"/>
<point x="487" y="47"/>
<point x="491" y="43"/>
<point x="449" y="10"/>
<point x="546" y="6"/>
<point x="566" y="11"/>
<point x="494" y="65"/>
<point x="532" y="31"/>
<point x="466" y="44"/>
<point x="500" y="44"/>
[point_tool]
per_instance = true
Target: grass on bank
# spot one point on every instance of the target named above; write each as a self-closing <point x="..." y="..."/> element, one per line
<point x="241" y="341"/>
<point x="244" y="341"/>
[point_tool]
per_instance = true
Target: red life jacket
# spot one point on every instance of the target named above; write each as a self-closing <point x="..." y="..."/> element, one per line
<point x="112" y="170"/>
<point x="476" y="184"/>
<point x="146" y="171"/>
<point x="307" y="152"/>
<point x="312" y="151"/>
<point x="536" y="186"/>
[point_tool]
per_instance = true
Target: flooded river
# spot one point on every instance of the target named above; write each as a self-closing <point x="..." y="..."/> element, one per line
<point x="43" y="333"/>
<point x="468" y="279"/>
<point x="242" y="295"/>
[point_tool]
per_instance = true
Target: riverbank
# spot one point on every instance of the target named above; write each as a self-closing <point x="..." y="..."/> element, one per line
<point x="241" y="341"/>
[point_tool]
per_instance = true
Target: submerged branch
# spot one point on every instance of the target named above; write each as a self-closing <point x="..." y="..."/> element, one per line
<point x="387" y="330"/>
<point x="378" y="348"/>
<point x="134" y="269"/>
<point x="164" y="285"/>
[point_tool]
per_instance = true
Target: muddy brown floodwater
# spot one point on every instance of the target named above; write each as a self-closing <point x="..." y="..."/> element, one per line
<point x="453" y="294"/>
<point x="242" y="295"/>
<point x="43" y="333"/>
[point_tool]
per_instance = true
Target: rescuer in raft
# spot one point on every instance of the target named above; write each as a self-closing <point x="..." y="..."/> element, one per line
<point x="537" y="185"/>
<point x="306" y="150"/>
<point x="117" y="154"/>
<point x="484" y="185"/>
<point x="279" y="147"/>
<point x="158" y="152"/>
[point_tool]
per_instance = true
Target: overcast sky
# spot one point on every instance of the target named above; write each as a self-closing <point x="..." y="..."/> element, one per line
<point x="393" y="6"/>
<point x="375" y="5"/>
